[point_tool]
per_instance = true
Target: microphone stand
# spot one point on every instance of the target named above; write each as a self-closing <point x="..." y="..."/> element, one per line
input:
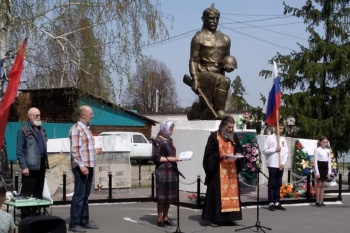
<point x="257" y="224"/>
<point x="178" y="230"/>
<point x="174" y="166"/>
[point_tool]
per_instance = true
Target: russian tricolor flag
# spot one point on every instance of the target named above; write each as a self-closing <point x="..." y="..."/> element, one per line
<point x="274" y="101"/>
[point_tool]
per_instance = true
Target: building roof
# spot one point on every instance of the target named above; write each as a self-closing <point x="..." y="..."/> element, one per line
<point x="102" y="101"/>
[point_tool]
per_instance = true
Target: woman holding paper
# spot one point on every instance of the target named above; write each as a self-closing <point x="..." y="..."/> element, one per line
<point x="164" y="155"/>
<point x="222" y="201"/>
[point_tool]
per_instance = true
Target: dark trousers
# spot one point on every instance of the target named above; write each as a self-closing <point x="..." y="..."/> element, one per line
<point x="274" y="184"/>
<point x="36" y="178"/>
<point x="79" y="210"/>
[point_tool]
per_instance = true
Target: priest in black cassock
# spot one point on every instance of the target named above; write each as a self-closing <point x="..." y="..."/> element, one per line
<point x="222" y="201"/>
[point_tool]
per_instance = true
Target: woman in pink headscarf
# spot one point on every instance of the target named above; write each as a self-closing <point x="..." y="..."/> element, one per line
<point x="164" y="155"/>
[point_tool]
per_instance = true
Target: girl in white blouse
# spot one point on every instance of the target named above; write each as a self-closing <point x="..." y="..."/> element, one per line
<point x="322" y="158"/>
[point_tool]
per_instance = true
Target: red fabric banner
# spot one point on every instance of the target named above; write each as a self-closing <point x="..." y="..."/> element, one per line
<point x="11" y="90"/>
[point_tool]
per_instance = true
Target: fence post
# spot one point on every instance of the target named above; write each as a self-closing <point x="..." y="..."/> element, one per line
<point x="11" y="169"/>
<point x="64" y="198"/>
<point x="152" y="194"/>
<point x="340" y="187"/>
<point x="308" y="189"/>
<point x="348" y="177"/>
<point x="313" y="178"/>
<point x="16" y="182"/>
<point x="109" y="185"/>
<point x="198" y="202"/>
<point x="289" y="175"/>
<point x="139" y="162"/>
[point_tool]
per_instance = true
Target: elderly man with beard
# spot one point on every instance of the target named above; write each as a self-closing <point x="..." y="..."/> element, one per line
<point x="32" y="156"/>
<point x="222" y="202"/>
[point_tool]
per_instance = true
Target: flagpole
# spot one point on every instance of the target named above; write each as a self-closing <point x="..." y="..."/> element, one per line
<point x="278" y="136"/>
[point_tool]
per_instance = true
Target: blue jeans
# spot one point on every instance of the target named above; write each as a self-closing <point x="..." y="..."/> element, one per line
<point x="274" y="184"/>
<point x="79" y="210"/>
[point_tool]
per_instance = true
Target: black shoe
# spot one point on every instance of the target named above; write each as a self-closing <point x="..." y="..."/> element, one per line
<point x="271" y="207"/>
<point x="161" y="224"/>
<point x="280" y="207"/>
<point x="169" y="223"/>
<point x="323" y="204"/>
<point x="89" y="225"/>
<point x="318" y="204"/>
<point x="76" y="229"/>
<point x="229" y="223"/>
<point x="214" y="224"/>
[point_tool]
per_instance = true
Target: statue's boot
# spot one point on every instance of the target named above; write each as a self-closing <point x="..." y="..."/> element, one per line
<point x="220" y="102"/>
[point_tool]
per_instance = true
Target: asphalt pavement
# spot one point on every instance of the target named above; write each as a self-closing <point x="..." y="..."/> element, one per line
<point x="141" y="217"/>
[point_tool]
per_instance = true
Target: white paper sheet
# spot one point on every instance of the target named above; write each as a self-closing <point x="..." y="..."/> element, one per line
<point x="233" y="157"/>
<point x="186" y="155"/>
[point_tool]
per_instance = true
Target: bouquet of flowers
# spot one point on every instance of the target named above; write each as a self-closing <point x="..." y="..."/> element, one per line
<point x="193" y="198"/>
<point x="300" y="191"/>
<point x="243" y="119"/>
<point x="287" y="190"/>
<point x="251" y="153"/>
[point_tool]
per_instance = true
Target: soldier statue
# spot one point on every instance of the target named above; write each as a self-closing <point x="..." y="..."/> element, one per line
<point x="209" y="60"/>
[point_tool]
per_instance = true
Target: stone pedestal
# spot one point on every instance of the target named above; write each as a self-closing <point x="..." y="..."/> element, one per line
<point x="192" y="136"/>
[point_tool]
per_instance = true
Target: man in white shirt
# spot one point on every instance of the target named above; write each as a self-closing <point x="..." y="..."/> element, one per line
<point x="276" y="158"/>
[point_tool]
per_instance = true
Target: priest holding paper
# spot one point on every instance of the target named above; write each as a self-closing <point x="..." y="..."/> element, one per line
<point x="221" y="164"/>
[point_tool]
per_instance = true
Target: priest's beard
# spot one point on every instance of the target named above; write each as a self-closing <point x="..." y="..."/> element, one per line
<point x="226" y="135"/>
<point x="37" y="122"/>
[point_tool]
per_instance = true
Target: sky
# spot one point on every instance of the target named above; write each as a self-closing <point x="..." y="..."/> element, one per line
<point x="257" y="28"/>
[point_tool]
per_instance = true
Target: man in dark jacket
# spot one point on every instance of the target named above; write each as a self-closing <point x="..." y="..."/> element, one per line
<point x="32" y="156"/>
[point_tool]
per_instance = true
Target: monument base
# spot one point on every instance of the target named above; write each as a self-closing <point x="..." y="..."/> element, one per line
<point x="193" y="136"/>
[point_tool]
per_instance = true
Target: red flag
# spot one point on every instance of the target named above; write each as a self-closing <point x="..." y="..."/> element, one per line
<point x="11" y="90"/>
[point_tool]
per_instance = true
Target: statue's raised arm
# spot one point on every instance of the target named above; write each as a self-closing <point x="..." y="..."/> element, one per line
<point x="209" y="60"/>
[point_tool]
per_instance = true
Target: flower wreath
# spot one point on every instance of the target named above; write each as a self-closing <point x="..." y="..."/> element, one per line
<point x="334" y="167"/>
<point x="302" y="161"/>
<point x="252" y="157"/>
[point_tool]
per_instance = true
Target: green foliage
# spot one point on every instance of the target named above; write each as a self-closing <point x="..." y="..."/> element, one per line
<point x="236" y="100"/>
<point x="320" y="74"/>
<point x="90" y="44"/>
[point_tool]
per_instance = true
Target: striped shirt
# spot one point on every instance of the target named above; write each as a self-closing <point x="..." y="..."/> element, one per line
<point x="82" y="146"/>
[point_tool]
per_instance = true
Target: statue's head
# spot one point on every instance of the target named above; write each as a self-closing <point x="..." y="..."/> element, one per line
<point x="229" y="63"/>
<point x="211" y="18"/>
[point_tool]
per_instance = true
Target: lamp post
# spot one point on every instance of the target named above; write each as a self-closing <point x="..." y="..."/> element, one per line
<point x="157" y="97"/>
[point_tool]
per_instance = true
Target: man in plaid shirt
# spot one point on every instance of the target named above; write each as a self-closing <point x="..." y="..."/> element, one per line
<point x="83" y="153"/>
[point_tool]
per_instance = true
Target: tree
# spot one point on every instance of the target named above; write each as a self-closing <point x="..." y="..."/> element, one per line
<point x="236" y="101"/>
<point x="84" y="43"/>
<point x="321" y="72"/>
<point x="152" y="79"/>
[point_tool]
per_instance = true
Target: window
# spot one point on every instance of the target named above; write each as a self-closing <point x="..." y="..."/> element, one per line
<point x="139" y="139"/>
